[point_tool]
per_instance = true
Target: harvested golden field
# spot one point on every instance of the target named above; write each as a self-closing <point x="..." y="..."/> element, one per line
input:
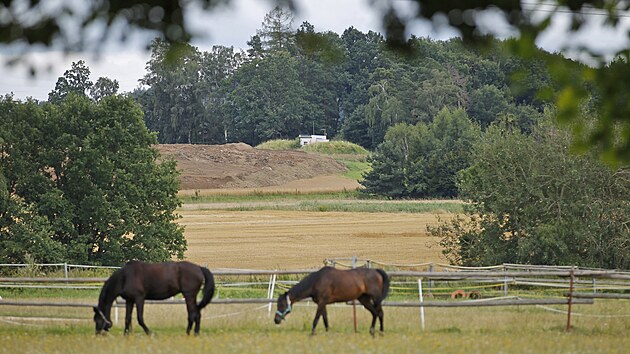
<point x="271" y="239"/>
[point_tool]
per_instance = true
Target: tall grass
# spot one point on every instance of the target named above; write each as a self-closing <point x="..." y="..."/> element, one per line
<point x="336" y="147"/>
<point x="279" y="144"/>
<point x="358" y="207"/>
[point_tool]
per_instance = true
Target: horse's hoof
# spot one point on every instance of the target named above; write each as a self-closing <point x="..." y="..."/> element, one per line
<point x="381" y="333"/>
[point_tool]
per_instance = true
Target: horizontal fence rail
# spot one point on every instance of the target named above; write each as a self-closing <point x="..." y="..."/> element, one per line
<point x="512" y="275"/>
<point x="489" y="285"/>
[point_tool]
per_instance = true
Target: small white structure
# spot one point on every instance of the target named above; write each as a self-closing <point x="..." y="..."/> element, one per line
<point x="312" y="139"/>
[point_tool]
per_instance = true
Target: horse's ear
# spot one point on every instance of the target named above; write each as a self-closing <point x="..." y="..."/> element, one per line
<point x="95" y="309"/>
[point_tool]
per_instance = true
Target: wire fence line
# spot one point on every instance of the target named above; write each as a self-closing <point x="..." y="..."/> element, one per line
<point x="439" y="280"/>
<point x="455" y="284"/>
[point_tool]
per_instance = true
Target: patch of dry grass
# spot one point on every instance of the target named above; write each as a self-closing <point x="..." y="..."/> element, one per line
<point x="270" y="239"/>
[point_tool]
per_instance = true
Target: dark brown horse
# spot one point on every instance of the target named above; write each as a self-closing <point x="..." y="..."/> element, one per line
<point x="139" y="281"/>
<point x="328" y="285"/>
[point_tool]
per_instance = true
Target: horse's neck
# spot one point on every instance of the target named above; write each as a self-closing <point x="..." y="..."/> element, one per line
<point x="301" y="290"/>
<point x="109" y="292"/>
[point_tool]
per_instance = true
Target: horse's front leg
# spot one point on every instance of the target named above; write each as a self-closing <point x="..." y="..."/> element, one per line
<point x="140" y="305"/>
<point x="128" y="315"/>
<point x="321" y="308"/>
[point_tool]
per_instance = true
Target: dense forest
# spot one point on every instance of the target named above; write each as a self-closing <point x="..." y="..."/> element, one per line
<point x="350" y="86"/>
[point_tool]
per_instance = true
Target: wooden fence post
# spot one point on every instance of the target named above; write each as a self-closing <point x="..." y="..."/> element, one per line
<point x="421" y="301"/>
<point x="572" y="276"/>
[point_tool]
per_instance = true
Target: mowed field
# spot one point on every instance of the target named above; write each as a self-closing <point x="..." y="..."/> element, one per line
<point x="286" y="239"/>
<point x="273" y="239"/>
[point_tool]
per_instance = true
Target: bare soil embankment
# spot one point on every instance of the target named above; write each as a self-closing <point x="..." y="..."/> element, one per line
<point x="240" y="168"/>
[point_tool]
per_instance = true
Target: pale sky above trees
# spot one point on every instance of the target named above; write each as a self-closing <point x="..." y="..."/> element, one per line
<point x="235" y="24"/>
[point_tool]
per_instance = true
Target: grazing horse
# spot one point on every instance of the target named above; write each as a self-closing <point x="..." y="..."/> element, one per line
<point x="138" y="281"/>
<point x="328" y="285"/>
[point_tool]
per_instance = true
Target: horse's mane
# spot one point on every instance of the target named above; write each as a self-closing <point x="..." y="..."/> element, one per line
<point x="109" y="287"/>
<point x="306" y="284"/>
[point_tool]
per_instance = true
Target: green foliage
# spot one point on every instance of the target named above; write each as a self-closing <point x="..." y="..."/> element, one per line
<point x="422" y="160"/>
<point x="82" y="184"/>
<point x="74" y="81"/>
<point x="351" y="86"/>
<point x="531" y="201"/>
<point x="442" y="82"/>
<point x="280" y="144"/>
<point x="267" y="101"/>
<point x="182" y="102"/>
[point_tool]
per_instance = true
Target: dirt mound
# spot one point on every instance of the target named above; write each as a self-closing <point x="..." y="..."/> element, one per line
<point x="242" y="166"/>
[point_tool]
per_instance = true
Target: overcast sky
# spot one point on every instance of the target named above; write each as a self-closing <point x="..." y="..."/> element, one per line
<point x="235" y="25"/>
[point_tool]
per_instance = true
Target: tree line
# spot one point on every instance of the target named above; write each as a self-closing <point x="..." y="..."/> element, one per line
<point x="349" y="86"/>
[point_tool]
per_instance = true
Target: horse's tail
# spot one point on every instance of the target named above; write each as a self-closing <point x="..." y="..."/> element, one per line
<point x="208" y="288"/>
<point x="385" y="283"/>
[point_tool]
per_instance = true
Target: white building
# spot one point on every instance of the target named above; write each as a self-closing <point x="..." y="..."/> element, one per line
<point x="312" y="139"/>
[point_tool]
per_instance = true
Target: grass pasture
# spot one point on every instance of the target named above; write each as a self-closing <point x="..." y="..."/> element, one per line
<point x="250" y="329"/>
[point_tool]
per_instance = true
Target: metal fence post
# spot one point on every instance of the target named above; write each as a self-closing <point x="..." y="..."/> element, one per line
<point x="272" y="287"/>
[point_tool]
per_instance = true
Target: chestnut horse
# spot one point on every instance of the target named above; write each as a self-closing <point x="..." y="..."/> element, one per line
<point x="329" y="285"/>
<point x="138" y="281"/>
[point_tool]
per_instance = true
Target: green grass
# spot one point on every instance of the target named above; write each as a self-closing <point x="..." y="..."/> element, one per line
<point x="346" y="201"/>
<point x="280" y="144"/>
<point x="356" y="168"/>
<point x="359" y="207"/>
<point x="250" y="329"/>
<point x="336" y="147"/>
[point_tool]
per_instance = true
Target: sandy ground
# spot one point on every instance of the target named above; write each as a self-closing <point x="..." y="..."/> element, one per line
<point x="294" y="239"/>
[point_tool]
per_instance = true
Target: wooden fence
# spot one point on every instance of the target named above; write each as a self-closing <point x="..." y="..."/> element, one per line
<point x="564" y="277"/>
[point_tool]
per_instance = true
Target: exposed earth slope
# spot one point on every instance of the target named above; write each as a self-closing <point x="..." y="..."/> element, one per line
<point x="240" y="166"/>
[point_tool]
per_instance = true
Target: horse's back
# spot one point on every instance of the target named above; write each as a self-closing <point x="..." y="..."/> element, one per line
<point x="157" y="281"/>
<point x="345" y="285"/>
